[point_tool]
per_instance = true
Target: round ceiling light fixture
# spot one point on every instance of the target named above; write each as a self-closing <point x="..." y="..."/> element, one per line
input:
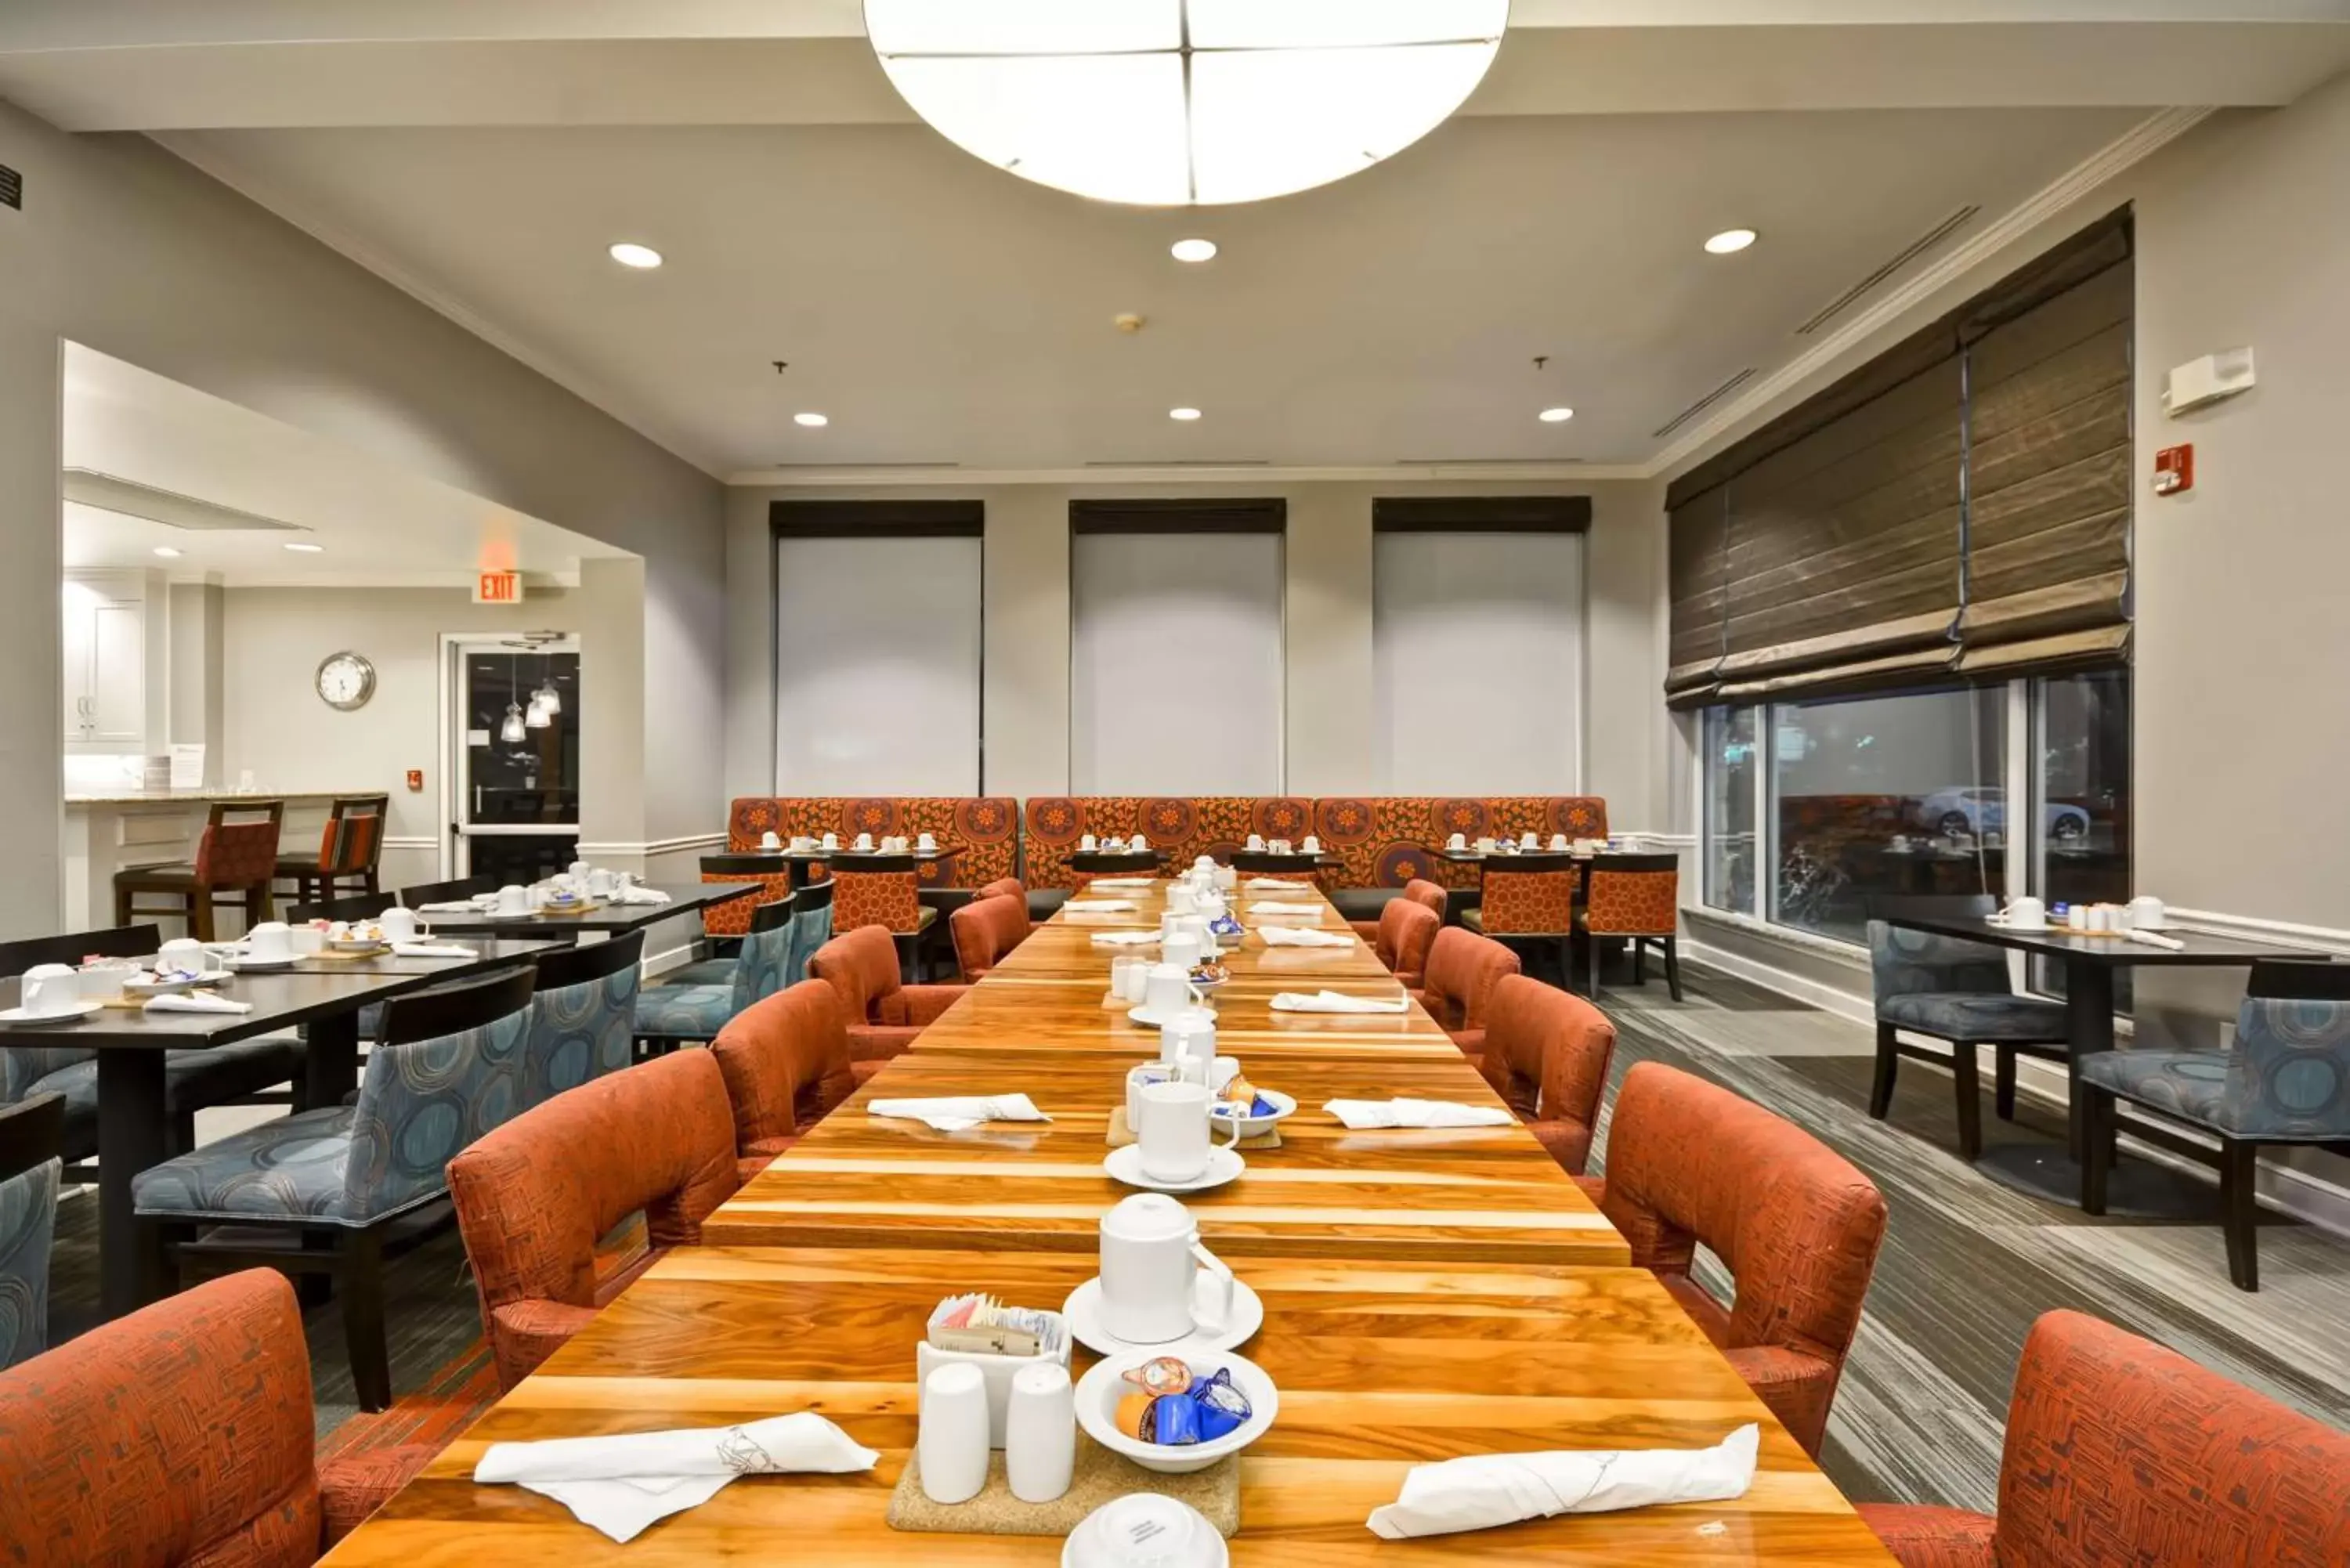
<point x="812" y="421"/>
<point x="1193" y="250"/>
<point x="1730" y="242"/>
<point x="1183" y="415"/>
<point x="1556" y="416"/>
<point x="644" y="258"/>
<point x="1170" y="103"/>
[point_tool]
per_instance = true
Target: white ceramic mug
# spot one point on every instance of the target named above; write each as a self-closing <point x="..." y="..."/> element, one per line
<point x="771" y="839"/>
<point x="1486" y="845"/>
<point x="928" y="843"/>
<point x="184" y="953"/>
<point x="50" y="989"/>
<point x="1140" y="1078"/>
<point x="2025" y="915"/>
<point x="1256" y="841"/>
<point x="602" y="883"/>
<point x="1173" y="1131"/>
<point x="1528" y="841"/>
<point x="1087" y="843"/>
<point x="398" y="924"/>
<point x="1182" y="949"/>
<point x="864" y="842"/>
<point x="1458" y="841"/>
<point x="1182" y="898"/>
<point x="578" y="870"/>
<point x="832" y="841"/>
<point x="1152" y="1266"/>
<point x="514" y="899"/>
<point x="1187" y="1042"/>
<point x="1280" y="846"/>
<point x="1170" y="989"/>
<point x="1312" y="845"/>
<point x="269" y="941"/>
<point x="1139" y="845"/>
<point x="2147" y="913"/>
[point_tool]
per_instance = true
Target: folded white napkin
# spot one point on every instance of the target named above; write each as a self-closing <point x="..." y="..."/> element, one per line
<point x="1302" y="937"/>
<point x="621" y="1484"/>
<point x="1125" y="938"/>
<point x="431" y="949"/>
<point x="638" y="896"/>
<point x="452" y="907"/>
<point x="1360" y="1114"/>
<point x="2156" y="939"/>
<point x="1482" y="1490"/>
<point x="960" y="1112"/>
<point x="1280" y="909"/>
<point x="1099" y="906"/>
<point x="194" y="1001"/>
<point x="1275" y="885"/>
<point x="1119" y="882"/>
<point x="1336" y="1002"/>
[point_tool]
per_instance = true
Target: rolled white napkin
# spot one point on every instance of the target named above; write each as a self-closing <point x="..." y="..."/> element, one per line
<point x="1482" y="1490"/>
<point x="638" y="896"/>
<point x="451" y="907"/>
<point x="432" y="949"/>
<point x="1119" y="882"/>
<point x="2156" y="939"/>
<point x="1361" y="1115"/>
<point x="1303" y="937"/>
<point x="1125" y="938"/>
<point x="1336" y="1002"/>
<point x="1275" y="885"/>
<point x="194" y="1001"/>
<point x="621" y="1484"/>
<point x="1277" y="908"/>
<point x="960" y="1112"/>
<point x="1099" y="906"/>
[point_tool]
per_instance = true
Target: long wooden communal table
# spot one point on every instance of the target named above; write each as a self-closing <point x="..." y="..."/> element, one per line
<point x="1381" y="1365"/>
<point x="1040" y="1024"/>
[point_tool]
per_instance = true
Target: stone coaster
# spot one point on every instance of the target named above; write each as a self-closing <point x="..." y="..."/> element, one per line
<point x="1119" y="1135"/>
<point x="1099" y="1475"/>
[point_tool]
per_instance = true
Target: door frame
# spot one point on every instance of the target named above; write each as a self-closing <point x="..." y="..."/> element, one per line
<point x="453" y="648"/>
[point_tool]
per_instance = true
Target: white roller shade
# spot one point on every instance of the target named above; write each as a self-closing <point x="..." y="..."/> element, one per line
<point x="1176" y="679"/>
<point x="878" y="666"/>
<point x="1477" y="661"/>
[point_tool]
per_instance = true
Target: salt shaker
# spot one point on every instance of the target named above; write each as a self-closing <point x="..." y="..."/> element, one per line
<point x="1040" y="1433"/>
<point x="952" y="1439"/>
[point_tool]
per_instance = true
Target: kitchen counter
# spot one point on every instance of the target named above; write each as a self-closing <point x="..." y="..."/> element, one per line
<point x="200" y="796"/>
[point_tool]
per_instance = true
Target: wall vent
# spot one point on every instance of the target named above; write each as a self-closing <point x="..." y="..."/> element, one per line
<point x="12" y="188"/>
<point x="1686" y="414"/>
<point x="1878" y="279"/>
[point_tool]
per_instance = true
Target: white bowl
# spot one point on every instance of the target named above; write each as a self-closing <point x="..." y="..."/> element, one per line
<point x="1100" y="1390"/>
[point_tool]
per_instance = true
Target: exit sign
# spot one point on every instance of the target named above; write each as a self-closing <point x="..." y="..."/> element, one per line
<point x="497" y="588"/>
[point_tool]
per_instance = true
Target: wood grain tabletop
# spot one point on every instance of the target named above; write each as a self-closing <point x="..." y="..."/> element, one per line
<point x="1381" y="1365"/>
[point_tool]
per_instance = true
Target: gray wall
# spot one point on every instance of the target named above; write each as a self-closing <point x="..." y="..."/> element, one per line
<point x="123" y="248"/>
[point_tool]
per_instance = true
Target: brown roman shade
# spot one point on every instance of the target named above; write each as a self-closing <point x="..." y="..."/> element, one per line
<point x="1698" y="543"/>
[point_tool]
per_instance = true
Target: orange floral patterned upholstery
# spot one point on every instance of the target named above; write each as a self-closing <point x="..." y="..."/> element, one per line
<point x="2121" y="1453"/>
<point x="1407" y="930"/>
<point x="1384" y="840"/>
<point x="1183" y="826"/>
<point x="785" y="1061"/>
<point x="733" y="918"/>
<point x="534" y="1195"/>
<point x="883" y="1016"/>
<point x="889" y="899"/>
<point x="1463" y="967"/>
<point x="984" y="930"/>
<point x="237" y="854"/>
<point x="1546" y="1055"/>
<point x="1795" y="1224"/>
<point x="985" y="828"/>
<point x="179" y="1435"/>
<point x="1630" y="904"/>
<point x="1528" y="903"/>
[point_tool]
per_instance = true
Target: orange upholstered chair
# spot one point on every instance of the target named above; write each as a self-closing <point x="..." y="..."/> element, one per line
<point x="2121" y="1453"/>
<point x="1546" y="1055"/>
<point x="1003" y="887"/>
<point x="984" y="930"/>
<point x="1419" y="891"/>
<point x="1405" y="931"/>
<point x="861" y="967"/>
<point x="1636" y="898"/>
<point x="785" y="1060"/>
<point x="1462" y="969"/>
<point x="534" y="1197"/>
<point x="1796" y="1226"/>
<point x="180" y="1434"/>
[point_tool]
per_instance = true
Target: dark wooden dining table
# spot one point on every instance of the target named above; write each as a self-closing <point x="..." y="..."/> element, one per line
<point x="801" y="864"/>
<point x="610" y="920"/>
<point x="2137" y="1190"/>
<point x="323" y="994"/>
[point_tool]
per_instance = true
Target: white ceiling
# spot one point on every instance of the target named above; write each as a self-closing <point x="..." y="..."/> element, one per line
<point x="483" y="153"/>
<point x="379" y="526"/>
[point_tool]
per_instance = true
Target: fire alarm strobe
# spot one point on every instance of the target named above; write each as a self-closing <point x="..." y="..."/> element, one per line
<point x="2174" y="470"/>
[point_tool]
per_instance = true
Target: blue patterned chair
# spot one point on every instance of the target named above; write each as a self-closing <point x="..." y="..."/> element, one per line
<point x="2287" y="1081"/>
<point x="30" y="1175"/>
<point x="222" y="1075"/>
<point x="1956" y="991"/>
<point x="448" y="1068"/>
<point x="672" y="1013"/>
<point x="584" y="1018"/>
<point x="811" y="928"/>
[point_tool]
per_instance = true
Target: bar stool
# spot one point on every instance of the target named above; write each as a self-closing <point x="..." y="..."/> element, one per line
<point x="235" y="861"/>
<point x="350" y="850"/>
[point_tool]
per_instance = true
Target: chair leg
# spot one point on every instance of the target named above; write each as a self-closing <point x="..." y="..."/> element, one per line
<point x="1639" y="961"/>
<point x="122" y="905"/>
<point x="1888" y="1066"/>
<point x="1962" y="1067"/>
<point x="2003" y="1083"/>
<point x="2098" y="1129"/>
<point x="1673" y="966"/>
<point x="363" y="1337"/>
<point x="200" y="913"/>
<point x="2240" y="1206"/>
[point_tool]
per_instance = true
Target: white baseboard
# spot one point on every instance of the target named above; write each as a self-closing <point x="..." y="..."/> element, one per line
<point x="652" y="966"/>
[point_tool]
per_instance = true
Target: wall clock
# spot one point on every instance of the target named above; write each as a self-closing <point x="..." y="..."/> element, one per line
<point x="345" y="681"/>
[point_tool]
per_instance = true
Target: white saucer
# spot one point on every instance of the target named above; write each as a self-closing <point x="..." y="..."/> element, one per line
<point x="1083" y="1309"/>
<point x="1284" y="1105"/>
<point x="1151" y="1019"/>
<point x="80" y="1010"/>
<point x="171" y="987"/>
<point x="2044" y="926"/>
<point x="240" y="962"/>
<point x="1225" y="1165"/>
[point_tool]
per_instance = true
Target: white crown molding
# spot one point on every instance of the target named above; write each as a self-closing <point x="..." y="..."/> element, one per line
<point x="1186" y="474"/>
<point x="579" y="385"/>
<point x="2134" y="146"/>
<point x="411" y="841"/>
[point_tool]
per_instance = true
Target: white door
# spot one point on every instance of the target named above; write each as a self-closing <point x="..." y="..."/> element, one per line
<point x="514" y="801"/>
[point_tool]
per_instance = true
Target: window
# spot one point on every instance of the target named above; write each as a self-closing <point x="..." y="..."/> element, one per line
<point x="1477" y="659"/>
<point x="2082" y="724"/>
<point x="1884" y="795"/>
<point x="1731" y="852"/>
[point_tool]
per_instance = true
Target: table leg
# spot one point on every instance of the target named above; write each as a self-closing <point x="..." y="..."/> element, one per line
<point x="132" y="1127"/>
<point x="2088" y="1030"/>
<point x="331" y="1060"/>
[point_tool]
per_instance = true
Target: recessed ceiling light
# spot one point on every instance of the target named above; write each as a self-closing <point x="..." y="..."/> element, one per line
<point x="1194" y="250"/>
<point x="813" y="422"/>
<point x="642" y="257"/>
<point x="1185" y="415"/>
<point x="168" y="553"/>
<point x="1730" y="242"/>
<point x="1556" y="416"/>
<point x="306" y="549"/>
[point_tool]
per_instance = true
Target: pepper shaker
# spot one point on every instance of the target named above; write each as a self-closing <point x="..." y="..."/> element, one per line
<point x="1040" y="1433"/>
<point x="951" y="1439"/>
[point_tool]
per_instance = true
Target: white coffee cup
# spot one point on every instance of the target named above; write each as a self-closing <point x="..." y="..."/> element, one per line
<point x="1558" y="844"/>
<point x="1182" y="949"/>
<point x="51" y="990"/>
<point x="398" y="924"/>
<point x="832" y="841"/>
<point x="864" y="842"/>
<point x="1087" y="843"/>
<point x="1182" y="898"/>
<point x="268" y="941"/>
<point x="1144" y="1529"/>
<point x="2025" y="915"/>
<point x="1312" y="845"/>
<point x="602" y="883"/>
<point x="1173" y="1131"/>
<point x="771" y="839"/>
<point x="1142" y="1076"/>
<point x="1487" y="844"/>
<point x="1139" y="845"/>
<point x="578" y="870"/>
<point x="801" y="843"/>
<point x="184" y="953"/>
<point x="928" y="843"/>
<point x="1279" y="846"/>
<point x="1152" y="1265"/>
<point x="1458" y="841"/>
<point x="1170" y="989"/>
<point x="1256" y="841"/>
<point x="1187" y="1042"/>
<point x="2147" y="913"/>
<point x="514" y="898"/>
<point x="1528" y="841"/>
